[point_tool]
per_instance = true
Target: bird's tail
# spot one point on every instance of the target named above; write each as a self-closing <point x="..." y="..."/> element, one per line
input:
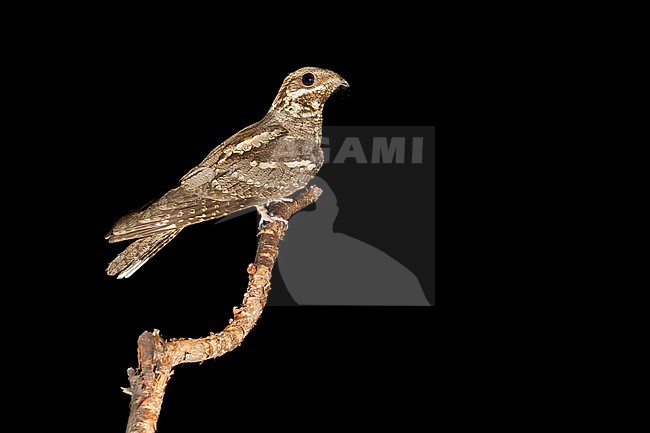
<point x="137" y="254"/>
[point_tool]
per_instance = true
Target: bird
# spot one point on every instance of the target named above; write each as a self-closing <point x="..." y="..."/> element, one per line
<point x="262" y="163"/>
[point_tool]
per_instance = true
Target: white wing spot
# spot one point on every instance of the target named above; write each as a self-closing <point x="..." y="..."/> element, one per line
<point x="303" y="163"/>
<point x="268" y="165"/>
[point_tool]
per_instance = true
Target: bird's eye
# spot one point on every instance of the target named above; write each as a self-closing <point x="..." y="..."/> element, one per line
<point x="308" y="79"/>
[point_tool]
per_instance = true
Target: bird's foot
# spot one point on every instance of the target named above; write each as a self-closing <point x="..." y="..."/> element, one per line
<point x="283" y="199"/>
<point x="265" y="217"/>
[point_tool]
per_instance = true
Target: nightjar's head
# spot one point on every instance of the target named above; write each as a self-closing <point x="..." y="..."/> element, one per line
<point x="304" y="92"/>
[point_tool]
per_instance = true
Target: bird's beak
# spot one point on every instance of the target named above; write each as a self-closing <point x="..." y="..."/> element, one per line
<point x="341" y="82"/>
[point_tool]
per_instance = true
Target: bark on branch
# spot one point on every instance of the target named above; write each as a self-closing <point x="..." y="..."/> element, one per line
<point x="158" y="357"/>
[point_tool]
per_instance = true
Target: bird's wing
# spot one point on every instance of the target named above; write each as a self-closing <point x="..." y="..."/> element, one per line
<point x="268" y="165"/>
<point x="229" y="179"/>
<point x="247" y="141"/>
<point x="176" y="209"/>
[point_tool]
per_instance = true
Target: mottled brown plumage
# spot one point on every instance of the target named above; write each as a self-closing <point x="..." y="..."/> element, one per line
<point x="266" y="161"/>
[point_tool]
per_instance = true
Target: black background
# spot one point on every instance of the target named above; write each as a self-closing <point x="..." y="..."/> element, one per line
<point x="145" y="111"/>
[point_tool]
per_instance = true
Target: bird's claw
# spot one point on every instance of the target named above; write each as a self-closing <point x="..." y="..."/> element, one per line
<point x="265" y="217"/>
<point x="283" y="199"/>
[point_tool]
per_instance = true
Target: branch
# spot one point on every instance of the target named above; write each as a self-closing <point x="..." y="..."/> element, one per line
<point x="158" y="357"/>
